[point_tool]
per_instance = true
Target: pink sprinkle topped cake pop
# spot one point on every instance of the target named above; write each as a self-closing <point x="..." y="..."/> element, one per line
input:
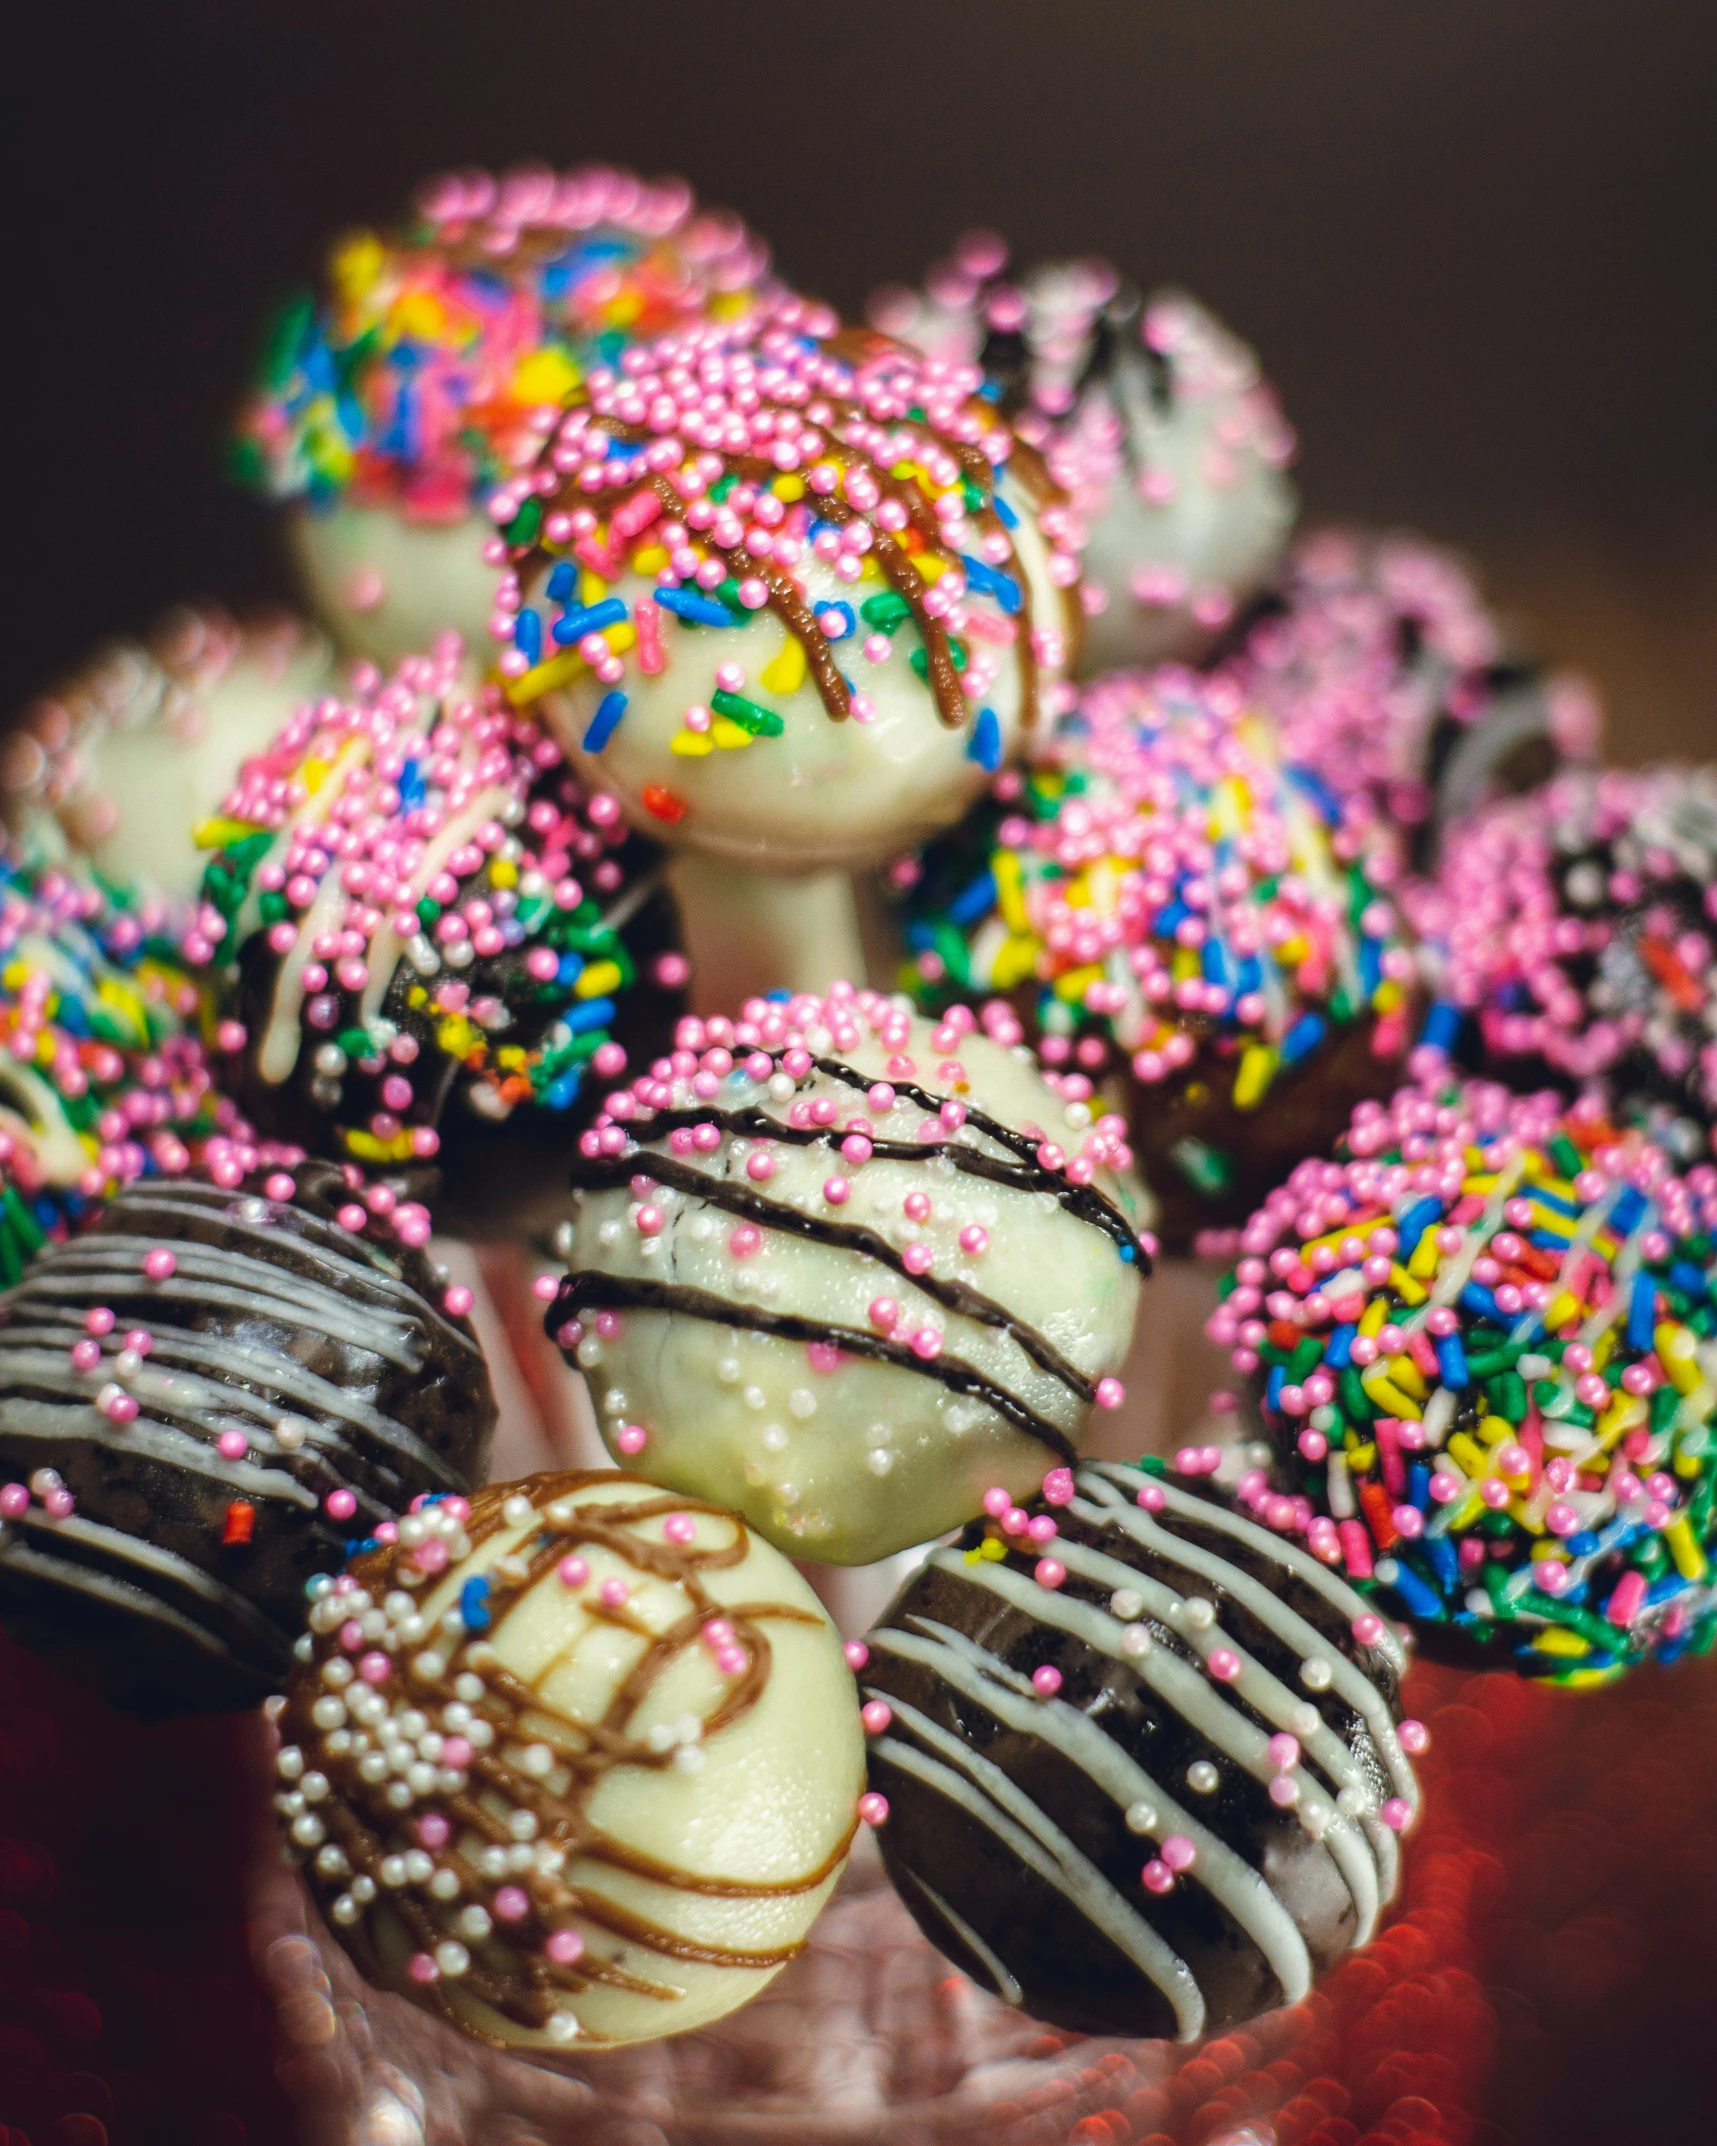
<point x="1151" y="415"/>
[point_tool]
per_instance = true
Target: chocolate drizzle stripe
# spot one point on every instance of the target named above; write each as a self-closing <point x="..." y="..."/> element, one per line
<point x="954" y="1296"/>
<point x="530" y="1986"/>
<point x="619" y="1292"/>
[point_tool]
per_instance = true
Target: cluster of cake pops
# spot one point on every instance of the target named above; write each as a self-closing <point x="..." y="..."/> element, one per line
<point x="862" y="838"/>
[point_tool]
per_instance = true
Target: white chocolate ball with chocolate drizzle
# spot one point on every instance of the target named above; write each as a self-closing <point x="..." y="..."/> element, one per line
<point x="575" y="1766"/>
<point x="125" y="762"/>
<point x="792" y="594"/>
<point x="844" y="1270"/>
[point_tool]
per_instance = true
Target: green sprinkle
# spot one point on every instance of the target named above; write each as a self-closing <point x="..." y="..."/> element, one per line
<point x="748" y="714"/>
<point x="920" y="660"/>
<point x="1565" y="1155"/>
<point x="887" y="611"/>
<point x="523" y="527"/>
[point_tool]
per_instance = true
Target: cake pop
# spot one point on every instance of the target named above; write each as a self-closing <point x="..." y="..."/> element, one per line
<point x="792" y="595"/>
<point x="1152" y="416"/>
<point x="1487" y="1363"/>
<point x="122" y="763"/>
<point x="1160" y="885"/>
<point x="102" y="1074"/>
<point x="1573" y="935"/>
<point x="1385" y="675"/>
<point x="203" y="1396"/>
<point x="841" y="1269"/>
<point x="433" y="363"/>
<point x="414" y="901"/>
<point x="1143" y="1772"/>
<point x="574" y="1766"/>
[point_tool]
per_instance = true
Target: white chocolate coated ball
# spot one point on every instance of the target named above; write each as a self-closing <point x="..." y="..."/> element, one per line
<point x="825" y="793"/>
<point x="850" y="1351"/>
<point x="386" y="585"/>
<point x="612" y="1810"/>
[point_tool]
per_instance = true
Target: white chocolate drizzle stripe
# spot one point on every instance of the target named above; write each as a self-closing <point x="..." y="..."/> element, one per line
<point x="1006" y="1988"/>
<point x="121" y="1549"/>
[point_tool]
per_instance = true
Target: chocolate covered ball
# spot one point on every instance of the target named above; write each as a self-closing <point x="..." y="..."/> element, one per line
<point x="1144" y="1776"/>
<point x="204" y="1398"/>
<point x="843" y="1269"/>
<point x="573" y="1766"/>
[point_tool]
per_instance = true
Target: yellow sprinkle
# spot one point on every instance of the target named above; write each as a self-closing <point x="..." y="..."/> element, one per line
<point x="869" y="570"/>
<point x="622" y="310"/>
<point x="730" y="736"/>
<point x="1545" y="1180"/>
<point x="355" y="265"/>
<point x="1292" y="952"/>
<point x="1334" y="1238"/>
<point x="1388" y="995"/>
<point x="1423" y="1264"/>
<point x="1566" y="1306"/>
<point x="649" y="559"/>
<point x="785" y="671"/>
<point x="621" y="637"/>
<point x="1480" y="1181"/>
<point x="1409" y="1291"/>
<point x="1521" y="1512"/>
<point x="1469" y="1454"/>
<point x="1072" y="987"/>
<point x="1186" y="963"/>
<point x="1014" y="963"/>
<point x="1495" y="1430"/>
<point x="599" y="978"/>
<point x="1362" y="1459"/>
<point x="691" y="744"/>
<point x="456" y="1037"/>
<point x="417" y="998"/>
<point x="1690" y="1560"/>
<point x="545" y="376"/>
<point x="1375" y="1314"/>
<point x="591" y="587"/>
<point x="512" y="1058"/>
<point x="1678" y="1352"/>
<point x="504" y="873"/>
<point x="1623" y="1412"/>
<point x="313" y="775"/>
<point x="1388" y="1396"/>
<point x="218" y="834"/>
<point x="994" y="1550"/>
<point x="1557" y="1639"/>
<point x="931" y="565"/>
<point x="789" y="488"/>
<point x="1010" y="890"/>
<point x="1252" y="1078"/>
<point x="367" y="1148"/>
<point x="557" y="671"/>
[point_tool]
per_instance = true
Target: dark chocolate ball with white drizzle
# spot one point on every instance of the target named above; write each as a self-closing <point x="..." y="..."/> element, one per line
<point x="1150" y="1783"/>
<point x="204" y="1399"/>
<point x="842" y="1269"/>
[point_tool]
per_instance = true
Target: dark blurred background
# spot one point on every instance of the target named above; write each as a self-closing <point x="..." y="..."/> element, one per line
<point x="1473" y="242"/>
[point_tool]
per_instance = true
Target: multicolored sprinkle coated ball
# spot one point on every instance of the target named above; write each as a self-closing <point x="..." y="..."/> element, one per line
<point x="1159" y="888"/>
<point x="1484" y="1343"/>
<point x="433" y="361"/>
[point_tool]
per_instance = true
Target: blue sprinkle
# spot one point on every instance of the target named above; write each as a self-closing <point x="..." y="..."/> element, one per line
<point x="1370" y="966"/>
<point x="1582" y="1544"/>
<point x="1338" y="1350"/>
<point x="528" y="635"/>
<point x="474" y="1602"/>
<point x="991" y="581"/>
<point x="1216" y="962"/>
<point x="1414" y="1223"/>
<point x="1004" y="513"/>
<point x="1442" y="1025"/>
<point x="1452" y="1363"/>
<point x="780" y="996"/>
<point x="593" y="1013"/>
<point x="1274" y="1383"/>
<point x="1319" y="791"/>
<point x="572" y="626"/>
<point x="986" y="745"/>
<point x="605" y="722"/>
<point x="1419" y="1484"/>
<point x="1666" y="1589"/>
<point x="1304" y="1037"/>
<point x="836" y="620"/>
<point x="411" y="784"/>
<point x="1557" y="1205"/>
<point x="1687" y="1278"/>
<point x="1630" y="1205"/>
<point x="561" y="1094"/>
<point x="1421" y="1599"/>
<point x="72" y="1017"/>
<point x="1549" y="1240"/>
<point x="561" y="582"/>
<point x="1477" y="1298"/>
<point x="1168" y="917"/>
<point x="1250" y="976"/>
<point x="570" y="970"/>
<point x="696" y="608"/>
<point x="1642" y="1312"/>
<point x="974" y="901"/>
<point x="1129" y="1254"/>
<point x="918" y="936"/>
<point x="1440" y="1554"/>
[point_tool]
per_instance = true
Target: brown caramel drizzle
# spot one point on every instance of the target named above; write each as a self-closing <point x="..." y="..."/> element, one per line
<point x="787" y="602"/>
<point x="509" y="1970"/>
